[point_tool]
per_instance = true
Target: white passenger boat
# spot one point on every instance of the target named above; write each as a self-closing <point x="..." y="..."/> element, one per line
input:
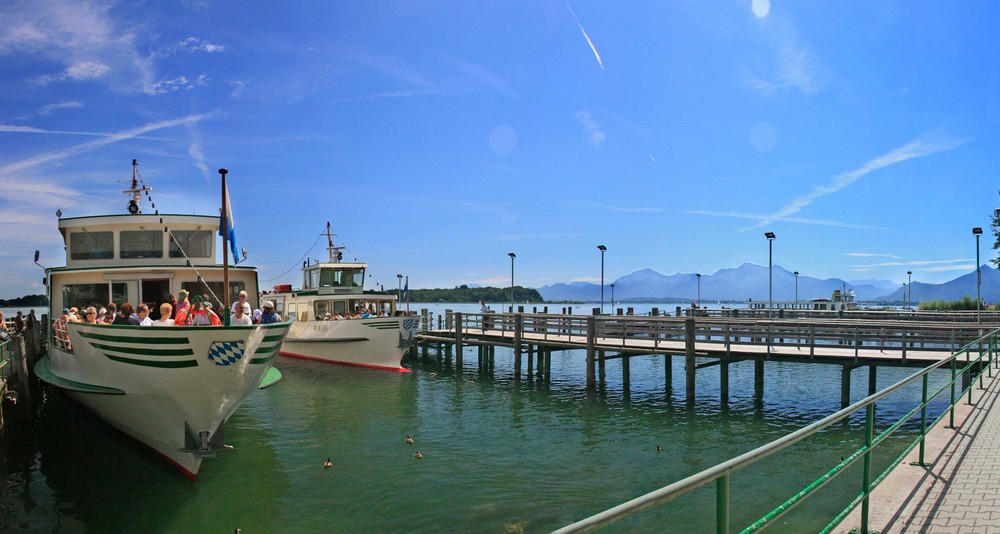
<point x="171" y="388"/>
<point x="334" y="289"/>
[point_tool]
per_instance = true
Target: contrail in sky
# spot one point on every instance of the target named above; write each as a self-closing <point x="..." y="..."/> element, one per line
<point x="585" y="36"/>
<point x="915" y="149"/>
<point x="92" y="145"/>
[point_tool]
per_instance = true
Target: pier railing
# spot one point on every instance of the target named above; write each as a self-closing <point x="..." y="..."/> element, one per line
<point x="640" y="333"/>
<point x="978" y="357"/>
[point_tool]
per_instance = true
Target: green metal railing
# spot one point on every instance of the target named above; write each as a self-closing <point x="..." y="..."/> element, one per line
<point x="978" y="355"/>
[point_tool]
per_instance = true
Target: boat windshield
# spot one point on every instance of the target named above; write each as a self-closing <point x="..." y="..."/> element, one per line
<point x="338" y="277"/>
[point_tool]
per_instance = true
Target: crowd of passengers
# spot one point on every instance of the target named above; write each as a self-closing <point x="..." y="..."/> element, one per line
<point x="179" y="311"/>
<point x="359" y="313"/>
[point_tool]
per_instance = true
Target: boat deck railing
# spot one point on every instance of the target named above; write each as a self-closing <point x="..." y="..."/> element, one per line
<point x="6" y="357"/>
<point x="977" y="358"/>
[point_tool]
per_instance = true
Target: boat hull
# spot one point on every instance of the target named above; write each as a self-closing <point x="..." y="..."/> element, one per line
<point x="171" y="388"/>
<point x="378" y="342"/>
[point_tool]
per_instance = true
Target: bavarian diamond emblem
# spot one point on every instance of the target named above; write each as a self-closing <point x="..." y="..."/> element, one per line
<point x="225" y="352"/>
<point x="407" y="324"/>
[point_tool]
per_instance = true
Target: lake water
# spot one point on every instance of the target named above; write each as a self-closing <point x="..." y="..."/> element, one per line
<point x="498" y="455"/>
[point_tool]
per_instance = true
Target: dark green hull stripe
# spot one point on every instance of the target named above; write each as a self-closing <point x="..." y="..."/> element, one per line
<point x="263" y="360"/>
<point x="137" y="339"/>
<point x="165" y="364"/>
<point x="278" y="337"/>
<point x="143" y="351"/>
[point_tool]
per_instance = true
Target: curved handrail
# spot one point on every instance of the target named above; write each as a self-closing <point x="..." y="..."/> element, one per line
<point x="720" y="472"/>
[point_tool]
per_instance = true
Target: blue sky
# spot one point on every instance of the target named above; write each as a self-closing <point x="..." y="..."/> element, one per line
<point x="437" y="136"/>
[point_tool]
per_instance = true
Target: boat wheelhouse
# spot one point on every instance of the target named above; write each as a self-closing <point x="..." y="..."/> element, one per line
<point x="170" y="387"/>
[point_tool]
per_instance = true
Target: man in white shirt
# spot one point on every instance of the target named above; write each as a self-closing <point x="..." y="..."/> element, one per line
<point x="142" y="314"/>
<point x="238" y="317"/>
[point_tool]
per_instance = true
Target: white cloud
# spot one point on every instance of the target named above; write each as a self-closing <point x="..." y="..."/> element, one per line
<point x="177" y="84"/>
<point x="194" y="44"/>
<point x="794" y="64"/>
<point x="870" y="255"/>
<point x="86" y="70"/>
<point x="594" y="129"/>
<point x="48" y="109"/>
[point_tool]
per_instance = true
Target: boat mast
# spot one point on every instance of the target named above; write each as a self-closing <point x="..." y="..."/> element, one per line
<point x="225" y="250"/>
<point x="136" y="191"/>
<point x="334" y="252"/>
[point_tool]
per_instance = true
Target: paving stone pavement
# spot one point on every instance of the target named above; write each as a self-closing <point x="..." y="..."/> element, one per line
<point x="959" y="492"/>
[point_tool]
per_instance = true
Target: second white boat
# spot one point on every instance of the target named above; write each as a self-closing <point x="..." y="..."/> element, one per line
<point x="336" y="321"/>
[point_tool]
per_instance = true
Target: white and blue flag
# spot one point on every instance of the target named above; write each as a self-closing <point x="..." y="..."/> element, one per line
<point x="229" y="223"/>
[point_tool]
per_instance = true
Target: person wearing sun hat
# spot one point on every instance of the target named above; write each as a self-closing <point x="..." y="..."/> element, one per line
<point x="269" y="315"/>
<point x="182" y="302"/>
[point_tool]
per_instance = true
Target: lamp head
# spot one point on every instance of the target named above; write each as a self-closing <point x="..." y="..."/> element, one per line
<point x="512" y="255"/>
<point x="602" y="248"/>
<point x="769" y="235"/>
<point x="977" y="231"/>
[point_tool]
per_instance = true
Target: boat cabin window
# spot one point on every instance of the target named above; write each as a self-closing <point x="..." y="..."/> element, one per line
<point x="321" y="308"/>
<point x="196" y="244"/>
<point x="140" y="244"/>
<point x="83" y="295"/>
<point x="346" y="277"/>
<point x="91" y="245"/>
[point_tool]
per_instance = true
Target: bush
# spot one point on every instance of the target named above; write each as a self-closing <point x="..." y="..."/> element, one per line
<point x="966" y="304"/>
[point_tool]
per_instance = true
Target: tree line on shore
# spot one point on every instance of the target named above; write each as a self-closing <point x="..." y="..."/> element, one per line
<point x="25" y="301"/>
<point x="465" y="293"/>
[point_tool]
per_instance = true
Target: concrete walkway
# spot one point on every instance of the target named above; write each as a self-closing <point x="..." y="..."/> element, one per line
<point x="960" y="490"/>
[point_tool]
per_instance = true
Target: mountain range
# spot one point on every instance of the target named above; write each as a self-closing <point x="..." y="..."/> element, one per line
<point x="750" y="281"/>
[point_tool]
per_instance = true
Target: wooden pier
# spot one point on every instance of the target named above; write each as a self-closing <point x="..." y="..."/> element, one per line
<point x="722" y="340"/>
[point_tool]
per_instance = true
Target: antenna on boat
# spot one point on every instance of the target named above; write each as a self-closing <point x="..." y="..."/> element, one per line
<point x="335" y="252"/>
<point x="136" y="191"/>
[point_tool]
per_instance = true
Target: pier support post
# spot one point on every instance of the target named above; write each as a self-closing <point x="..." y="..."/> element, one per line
<point x="457" y="316"/>
<point x="689" y="363"/>
<point x="591" y="341"/>
<point x="518" y="327"/>
<point x="872" y="382"/>
<point x="601" y="372"/>
<point x="626" y="379"/>
<point x="668" y="373"/>
<point x="845" y="386"/>
<point x="724" y="382"/>
<point x="758" y="378"/>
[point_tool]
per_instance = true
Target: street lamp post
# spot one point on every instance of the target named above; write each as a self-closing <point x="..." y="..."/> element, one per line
<point x="796" y="289"/>
<point x="399" y="290"/>
<point x="770" y="272"/>
<point x="512" y="256"/>
<point x="699" y="288"/>
<point x="909" y="286"/>
<point x="977" y="231"/>
<point x="603" y="249"/>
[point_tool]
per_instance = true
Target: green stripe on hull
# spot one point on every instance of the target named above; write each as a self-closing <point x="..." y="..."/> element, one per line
<point x="278" y="337"/>
<point x="162" y="364"/>
<point x="137" y="339"/>
<point x="265" y="355"/>
<point x="143" y="351"/>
